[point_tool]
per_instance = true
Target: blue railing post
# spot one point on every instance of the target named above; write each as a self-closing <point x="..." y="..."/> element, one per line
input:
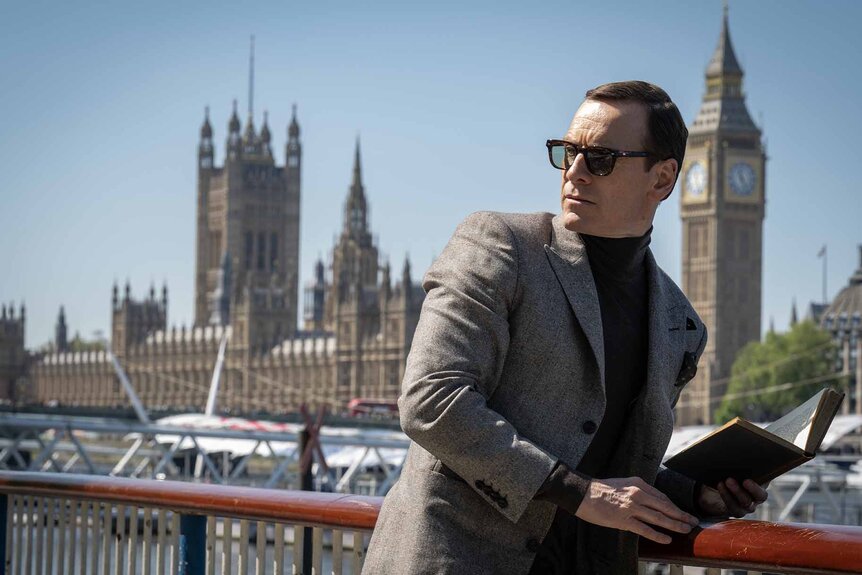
<point x="193" y="545"/>
<point x="4" y="509"/>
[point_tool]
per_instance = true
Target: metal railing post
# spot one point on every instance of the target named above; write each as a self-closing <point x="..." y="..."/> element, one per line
<point x="193" y="545"/>
<point x="306" y="484"/>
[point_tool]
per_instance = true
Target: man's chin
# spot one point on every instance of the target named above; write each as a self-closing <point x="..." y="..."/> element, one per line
<point x="573" y="222"/>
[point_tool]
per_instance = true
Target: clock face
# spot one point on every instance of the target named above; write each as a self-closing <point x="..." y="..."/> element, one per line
<point x="742" y="179"/>
<point x="695" y="180"/>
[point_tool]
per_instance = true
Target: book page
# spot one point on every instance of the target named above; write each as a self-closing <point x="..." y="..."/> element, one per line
<point x="829" y="404"/>
<point x="796" y="425"/>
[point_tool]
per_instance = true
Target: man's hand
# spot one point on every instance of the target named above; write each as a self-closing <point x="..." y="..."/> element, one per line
<point x="731" y="498"/>
<point x="631" y="504"/>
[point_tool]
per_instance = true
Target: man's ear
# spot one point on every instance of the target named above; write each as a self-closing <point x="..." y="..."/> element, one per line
<point x="664" y="180"/>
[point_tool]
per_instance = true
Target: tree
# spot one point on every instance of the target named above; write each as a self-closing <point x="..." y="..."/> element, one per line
<point x="78" y="343"/>
<point x="771" y="377"/>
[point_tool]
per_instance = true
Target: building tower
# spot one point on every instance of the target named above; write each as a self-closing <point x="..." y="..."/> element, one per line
<point x="351" y="310"/>
<point x="133" y="320"/>
<point x="722" y="210"/>
<point x="315" y="300"/>
<point x="13" y="356"/>
<point x="61" y="339"/>
<point x="247" y="212"/>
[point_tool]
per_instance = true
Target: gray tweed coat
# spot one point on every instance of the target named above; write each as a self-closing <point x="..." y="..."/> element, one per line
<point x="506" y="367"/>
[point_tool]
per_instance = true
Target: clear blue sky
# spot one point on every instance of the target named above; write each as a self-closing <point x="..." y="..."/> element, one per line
<point x="102" y="105"/>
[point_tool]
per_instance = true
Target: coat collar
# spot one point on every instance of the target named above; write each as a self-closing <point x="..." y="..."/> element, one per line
<point x="568" y="257"/>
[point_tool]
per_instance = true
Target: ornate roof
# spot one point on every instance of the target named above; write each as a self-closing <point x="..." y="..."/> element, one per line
<point x="723" y="107"/>
<point x="724" y="114"/>
<point x="848" y="302"/>
<point x="723" y="61"/>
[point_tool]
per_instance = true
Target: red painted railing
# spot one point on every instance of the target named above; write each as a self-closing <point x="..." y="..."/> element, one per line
<point x="804" y="548"/>
<point x="738" y="544"/>
<point x="303" y="507"/>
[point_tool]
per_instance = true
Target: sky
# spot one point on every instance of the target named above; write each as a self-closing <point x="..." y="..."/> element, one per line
<point x="102" y="105"/>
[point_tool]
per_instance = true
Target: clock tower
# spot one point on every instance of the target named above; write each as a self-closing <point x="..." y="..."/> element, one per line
<point x="722" y="210"/>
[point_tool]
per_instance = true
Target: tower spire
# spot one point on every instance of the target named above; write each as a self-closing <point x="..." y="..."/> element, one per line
<point x="206" y="127"/>
<point x="723" y="61"/>
<point x="61" y="341"/>
<point x="356" y="208"/>
<point x="233" y="125"/>
<point x="357" y="167"/>
<point x="723" y="107"/>
<point x="251" y="79"/>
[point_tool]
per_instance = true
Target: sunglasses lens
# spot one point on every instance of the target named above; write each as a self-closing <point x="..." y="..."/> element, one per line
<point x="571" y="154"/>
<point x="558" y="157"/>
<point x="600" y="163"/>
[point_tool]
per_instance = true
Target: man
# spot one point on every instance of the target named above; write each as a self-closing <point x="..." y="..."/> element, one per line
<point x="549" y="354"/>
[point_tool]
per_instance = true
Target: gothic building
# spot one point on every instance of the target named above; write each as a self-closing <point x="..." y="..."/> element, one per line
<point x="247" y="219"/>
<point x="358" y="322"/>
<point x="722" y="211"/>
<point x="842" y="318"/>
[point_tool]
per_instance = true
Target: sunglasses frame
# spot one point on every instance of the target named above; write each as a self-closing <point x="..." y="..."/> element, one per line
<point x="587" y="150"/>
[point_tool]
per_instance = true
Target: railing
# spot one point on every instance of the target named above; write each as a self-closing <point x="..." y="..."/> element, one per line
<point x="61" y="523"/>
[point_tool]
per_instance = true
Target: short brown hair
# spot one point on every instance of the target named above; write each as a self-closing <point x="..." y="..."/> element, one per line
<point x="666" y="131"/>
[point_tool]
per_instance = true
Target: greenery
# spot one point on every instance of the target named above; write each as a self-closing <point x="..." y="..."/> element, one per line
<point x="771" y="377"/>
<point x="77" y="343"/>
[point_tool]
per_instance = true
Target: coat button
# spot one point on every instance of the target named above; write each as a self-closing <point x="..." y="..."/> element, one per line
<point x="533" y="545"/>
<point x="589" y="427"/>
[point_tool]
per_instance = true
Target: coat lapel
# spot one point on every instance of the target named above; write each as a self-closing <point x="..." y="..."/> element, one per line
<point x="666" y="331"/>
<point x="666" y="323"/>
<point x="568" y="258"/>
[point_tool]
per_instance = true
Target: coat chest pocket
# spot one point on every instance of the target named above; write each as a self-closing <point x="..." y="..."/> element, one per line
<point x="687" y="370"/>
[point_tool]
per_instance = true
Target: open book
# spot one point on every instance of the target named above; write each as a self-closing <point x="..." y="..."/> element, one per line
<point x="742" y="450"/>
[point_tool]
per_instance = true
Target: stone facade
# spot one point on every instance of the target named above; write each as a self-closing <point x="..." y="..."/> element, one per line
<point x="358" y="324"/>
<point x="722" y="211"/>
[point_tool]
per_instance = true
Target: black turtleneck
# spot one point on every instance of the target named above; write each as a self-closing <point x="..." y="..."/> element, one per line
<point x="620" y="277"/>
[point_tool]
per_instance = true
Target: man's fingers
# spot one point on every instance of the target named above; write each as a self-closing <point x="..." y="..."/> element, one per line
<point x="646" y="531"/>
<point x="630" y="504"/>
<point x="741" y="495"/>
<point x="652" y="517"/>
<point x="734" y="509"/>
<point x="758" y="493"/>
<point x="660" y="502"/>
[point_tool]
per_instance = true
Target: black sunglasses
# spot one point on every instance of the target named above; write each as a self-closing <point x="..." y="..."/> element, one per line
<point x="600" y="161"/>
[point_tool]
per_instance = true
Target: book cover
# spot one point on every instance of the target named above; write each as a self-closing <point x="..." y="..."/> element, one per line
<point x="742" y="450"/>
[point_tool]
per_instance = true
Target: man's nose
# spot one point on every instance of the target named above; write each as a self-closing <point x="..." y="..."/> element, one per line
<point x="578" y="170"/>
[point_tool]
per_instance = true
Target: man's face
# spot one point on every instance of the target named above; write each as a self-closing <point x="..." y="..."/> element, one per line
<point x="622" y="203"/>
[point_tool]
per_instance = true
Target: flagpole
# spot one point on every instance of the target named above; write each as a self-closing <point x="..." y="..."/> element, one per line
<point x="825" y="257"/>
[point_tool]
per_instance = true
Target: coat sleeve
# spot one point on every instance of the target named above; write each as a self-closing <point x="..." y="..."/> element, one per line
<point x="458" y="352"/>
